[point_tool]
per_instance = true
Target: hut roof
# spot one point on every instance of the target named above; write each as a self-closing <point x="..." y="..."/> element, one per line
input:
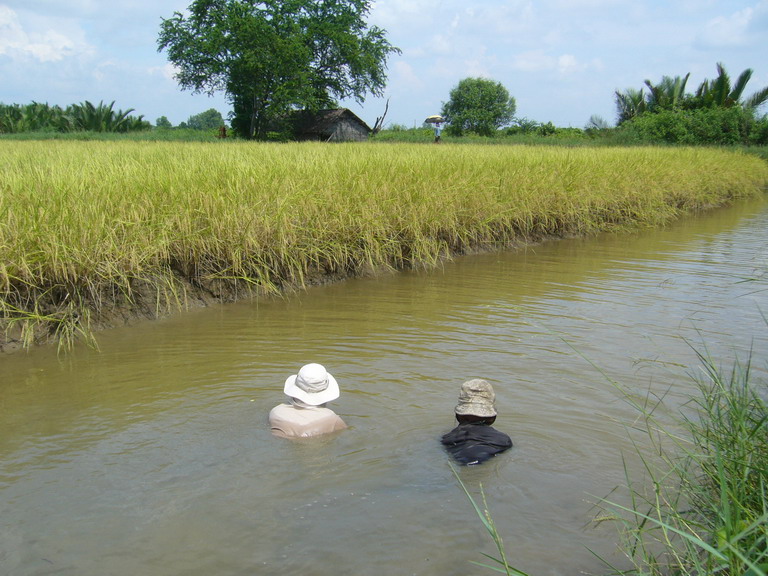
<point x="324" y="121"/>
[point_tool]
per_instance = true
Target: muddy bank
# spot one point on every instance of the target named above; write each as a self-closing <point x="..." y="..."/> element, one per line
<point x="56" y="321"/>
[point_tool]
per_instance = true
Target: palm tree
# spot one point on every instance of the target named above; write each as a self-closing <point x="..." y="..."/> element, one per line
<point x="101" y="118"/>
<point x="720" y="92"/>
<point x="630" y="104"/>
<point x="597" y="123"/>
<point x="667" y="94"/>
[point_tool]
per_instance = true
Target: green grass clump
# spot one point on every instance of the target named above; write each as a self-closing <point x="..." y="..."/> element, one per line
<point x="703" y="510"/>
<point x="86" y="224"/>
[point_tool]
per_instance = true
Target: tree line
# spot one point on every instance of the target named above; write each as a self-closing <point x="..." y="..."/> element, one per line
<point x="670" y="94"/>
<point x="87" y="117"/>
<point x="210" y="119"/>
<point x="717" y="112"/>
<point x="82" y="117"/>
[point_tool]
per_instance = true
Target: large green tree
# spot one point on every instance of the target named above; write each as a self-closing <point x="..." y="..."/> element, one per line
<point x="479" y="105"/>
<point x="273" y="56"/>
<point x="211" y="119"/>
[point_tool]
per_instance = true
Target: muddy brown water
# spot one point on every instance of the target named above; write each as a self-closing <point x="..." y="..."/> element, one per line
<point x="152" y="455"/>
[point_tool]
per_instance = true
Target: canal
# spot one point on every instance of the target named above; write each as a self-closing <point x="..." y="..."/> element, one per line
<point x="153" y="456"/>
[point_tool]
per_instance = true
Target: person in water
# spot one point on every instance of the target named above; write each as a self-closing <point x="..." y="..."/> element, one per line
<point x="474" y="440"/>
<point x="306" y="414"/>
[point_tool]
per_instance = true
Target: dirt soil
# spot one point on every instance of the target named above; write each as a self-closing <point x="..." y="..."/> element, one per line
<point x="148" y="301"/>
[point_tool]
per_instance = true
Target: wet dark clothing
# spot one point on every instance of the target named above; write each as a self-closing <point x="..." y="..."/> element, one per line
<point x="475" y="443"/>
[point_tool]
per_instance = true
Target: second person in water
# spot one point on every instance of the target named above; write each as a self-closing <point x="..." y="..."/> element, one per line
<point x="474" y="440"/>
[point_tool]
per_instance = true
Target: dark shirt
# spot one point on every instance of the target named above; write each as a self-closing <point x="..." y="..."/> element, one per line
<point x="475" y="443"/>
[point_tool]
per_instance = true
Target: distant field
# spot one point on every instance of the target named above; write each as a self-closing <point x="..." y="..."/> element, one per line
<point x="88" y="225"/>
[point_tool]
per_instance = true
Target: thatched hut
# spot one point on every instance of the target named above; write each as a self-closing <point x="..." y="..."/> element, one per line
<point x="338" y="125"/>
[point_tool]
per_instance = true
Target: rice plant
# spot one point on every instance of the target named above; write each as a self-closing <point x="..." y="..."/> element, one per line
<point x="86" y="226"/>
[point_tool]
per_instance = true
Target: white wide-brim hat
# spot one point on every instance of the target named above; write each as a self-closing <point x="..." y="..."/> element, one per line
<point x="313" y="385"/>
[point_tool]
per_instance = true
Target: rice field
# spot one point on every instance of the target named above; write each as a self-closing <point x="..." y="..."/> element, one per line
<point x="87" y="226"/>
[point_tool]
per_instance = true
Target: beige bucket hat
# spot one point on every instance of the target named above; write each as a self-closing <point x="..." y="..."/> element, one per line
<point x="313" y="385"/>
<point x="477" y="398"/>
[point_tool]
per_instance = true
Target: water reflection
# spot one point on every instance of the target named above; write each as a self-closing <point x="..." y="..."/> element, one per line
<point x="153" y="455"/>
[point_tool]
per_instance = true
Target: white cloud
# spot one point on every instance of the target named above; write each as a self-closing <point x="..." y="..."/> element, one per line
<point x="167" y="71"/>
<point x="389" y="13"/>
<point x="567" y="63"/>
<point x="533" y="61"/>
<point x="440" y="44"/>
<point x="476" y="68"/>
<point x="43" y="43"/>
<point x="105" y="69"/>
<point x="51" y="47"/>
<point x="405" y="74"/>
<point x="727" y="30"/>
<point x="11" y="34"/>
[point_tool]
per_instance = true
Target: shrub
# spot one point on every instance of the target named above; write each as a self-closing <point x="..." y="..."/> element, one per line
<point x="758" y="135"/>
<point x="703" y="126"/>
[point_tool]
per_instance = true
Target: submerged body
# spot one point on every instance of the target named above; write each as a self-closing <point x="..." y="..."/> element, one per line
<point x="306" y="415"/>
<point x="475" y="443"/>
<point x="302" y="421"/>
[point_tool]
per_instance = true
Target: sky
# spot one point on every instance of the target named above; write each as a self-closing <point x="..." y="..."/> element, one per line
<point x="562" y="60"/>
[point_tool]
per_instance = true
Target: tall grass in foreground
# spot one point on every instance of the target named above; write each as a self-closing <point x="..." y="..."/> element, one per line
<point x="87" y="226"/>
<point x="703" y="508"/>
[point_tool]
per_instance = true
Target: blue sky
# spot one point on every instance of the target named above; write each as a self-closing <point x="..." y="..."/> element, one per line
<point x="562" y="60"/>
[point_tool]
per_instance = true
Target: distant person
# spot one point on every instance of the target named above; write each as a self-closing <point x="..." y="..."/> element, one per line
<point x="474" y="440"/>
<point x="306" y="414"/>
<point x="438" y="131"/>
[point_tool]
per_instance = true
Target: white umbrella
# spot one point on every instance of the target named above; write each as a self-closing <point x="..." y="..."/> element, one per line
<point x="434" y="119"/>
